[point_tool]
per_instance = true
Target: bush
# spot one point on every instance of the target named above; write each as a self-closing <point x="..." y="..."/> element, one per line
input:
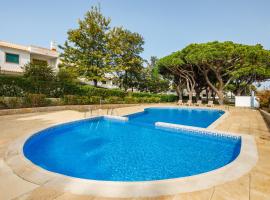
<point x="95" y="99"/>
<point x="148" y="100"/>
<point x="162" y="97"/>
<point x="83" y="100"/>
<point x="70" y="100"/>
<point x="129" y="99"/>
<point x="72" y="93"/>
<point x="13" y="86"/>
<point x="264" y="97"/>
<point x="114" y="100"/>
<point x="168" y="98"/>
<point x="154" y="100"/>
<point x="101" y="92"/>
<point x="80" y="100"/>
<point x="141" y="94"/>
<point x="11" y="102"/>
<point x="35" y="100"/>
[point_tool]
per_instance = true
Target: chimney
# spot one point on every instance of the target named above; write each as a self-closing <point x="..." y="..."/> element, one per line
<point x="53" y="46"/>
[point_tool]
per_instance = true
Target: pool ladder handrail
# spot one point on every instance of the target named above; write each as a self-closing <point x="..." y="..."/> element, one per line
<point x="112" y="111"/>
<point x="90" y="110"/>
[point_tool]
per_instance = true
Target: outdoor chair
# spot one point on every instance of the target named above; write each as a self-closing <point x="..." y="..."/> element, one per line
<point x="199" y="103"/>
<point x="210" y="104"/>
<point x="180" y="102"/>
<point x="188" y="103"/>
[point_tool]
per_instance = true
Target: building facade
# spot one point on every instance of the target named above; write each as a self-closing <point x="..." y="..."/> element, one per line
<point x="14" y="57"/>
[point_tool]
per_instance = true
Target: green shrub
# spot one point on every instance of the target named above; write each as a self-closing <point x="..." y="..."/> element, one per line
<point x="168" y="98"/>
<point x="83" y="100"/>
<point x="162" y="97"/>
<point x="141" y="94"/>
<point x="154" y="100"/>
<point x="95" y="99"/>
<point x="13" y="86"/>
<point x="129" y="99"/>
<point x="55" y="101"/>
<point x="11" y="102"/>
<point x="35" y="100"/>
<point x="101" y="92"/>
<point x="70" y="100"/>
<point x="114" y="100"/>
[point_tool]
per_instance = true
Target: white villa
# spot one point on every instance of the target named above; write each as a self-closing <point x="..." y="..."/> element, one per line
<point x="13" y="56"/>
<point x="108" y="82"/>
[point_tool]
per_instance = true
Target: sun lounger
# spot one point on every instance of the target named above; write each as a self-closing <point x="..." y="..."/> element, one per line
<point x="188" y="103"/>
<point x="210" y="104"/>
<point x="180" y="102"/>
<point x="199" y="103"/>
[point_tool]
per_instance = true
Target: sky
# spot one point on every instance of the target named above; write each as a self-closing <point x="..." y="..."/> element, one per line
<point x="166" y="25"/>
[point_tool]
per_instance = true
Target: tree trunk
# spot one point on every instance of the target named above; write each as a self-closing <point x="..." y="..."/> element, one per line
<point x="220" y="97"/>
<point x="198" y="92"/>
<point x="190" y="94"/>
<point x="207" y="94"/>
<point x="219" y="90"/>
<point x="179" y="92"/>
<point x="95" y="82"/>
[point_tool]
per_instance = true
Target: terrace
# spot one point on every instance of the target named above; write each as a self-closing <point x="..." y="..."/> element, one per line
<point x="245" y="121"/>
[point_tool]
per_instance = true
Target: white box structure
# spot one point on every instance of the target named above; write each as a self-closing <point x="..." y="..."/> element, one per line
<point x="246" y="101"/>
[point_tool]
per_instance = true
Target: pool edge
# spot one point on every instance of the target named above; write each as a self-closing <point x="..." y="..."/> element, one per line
<point x="28" y="171"/>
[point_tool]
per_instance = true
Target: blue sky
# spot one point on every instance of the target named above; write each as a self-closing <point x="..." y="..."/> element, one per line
<point x="166" y="25"/>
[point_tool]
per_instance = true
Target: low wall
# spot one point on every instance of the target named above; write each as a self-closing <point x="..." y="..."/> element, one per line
<point x="246" y="101"/>
<point x="58" y="108"/>
<point x="266" y="116"/>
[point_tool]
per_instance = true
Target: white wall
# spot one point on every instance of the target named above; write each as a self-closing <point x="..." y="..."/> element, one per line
<point x="51" y="61"/>
<point x="24" y="58"/>
<point x="246" y="101"/>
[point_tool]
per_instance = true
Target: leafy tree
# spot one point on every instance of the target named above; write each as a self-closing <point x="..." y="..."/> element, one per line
<point x="227" y="62"/>
<point x="151" y="80"/>
<point x="218" y="65"/>
<point x="86" y="47"/>
<point x="40" y="75"/>
<point x="125" y="48"/>
<point x="185" y="72"/>
<point x="255" y="67"/>
<point x="94" y="50"/>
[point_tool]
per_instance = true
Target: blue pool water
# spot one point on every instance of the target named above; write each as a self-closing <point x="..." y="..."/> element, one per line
<point x="184" y="116"/>
<point x="103" y="149"/>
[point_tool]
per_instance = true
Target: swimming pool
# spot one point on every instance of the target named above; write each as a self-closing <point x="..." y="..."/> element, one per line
<point x="134" y="150"/>
<point x="184" y="116"/>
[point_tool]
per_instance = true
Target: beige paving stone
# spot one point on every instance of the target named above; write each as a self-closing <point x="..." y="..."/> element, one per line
<point x="69" y="196"/>
<point x="11" y="185"/>
<point x="260" y="186"/>
<point x="235" y="190"/>
<point x="41" y="193"/>
<point x="239" y="120"/>
<point x="200" y="195"/>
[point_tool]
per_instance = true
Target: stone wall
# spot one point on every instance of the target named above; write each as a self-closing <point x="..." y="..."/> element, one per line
<point x="266" y="116"/>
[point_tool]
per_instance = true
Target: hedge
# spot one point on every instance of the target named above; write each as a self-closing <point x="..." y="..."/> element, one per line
<point x="102" y="92"/>
<point x="22" y="93"/>
<point x="17" y="86"/>
<point x="163" y="97"/>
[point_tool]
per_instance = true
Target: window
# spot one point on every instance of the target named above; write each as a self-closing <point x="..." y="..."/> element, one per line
<point x="12" y="58"/>
<point x="40" y="62"/>
<point x="103" y="82"/>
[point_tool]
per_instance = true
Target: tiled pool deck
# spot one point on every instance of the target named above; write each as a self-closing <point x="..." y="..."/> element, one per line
<point x="254" y="185"/>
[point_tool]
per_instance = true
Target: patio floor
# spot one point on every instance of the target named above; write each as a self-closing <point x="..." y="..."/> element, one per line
<point x="252" y="186"/>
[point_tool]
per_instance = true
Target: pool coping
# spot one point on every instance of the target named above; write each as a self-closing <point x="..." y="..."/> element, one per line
<point x="28" y="171"/>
